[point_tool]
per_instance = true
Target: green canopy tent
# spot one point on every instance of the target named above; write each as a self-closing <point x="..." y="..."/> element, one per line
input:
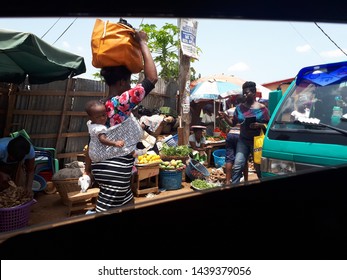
<point x="24" y="54"/>
<point x="24" y="57"/>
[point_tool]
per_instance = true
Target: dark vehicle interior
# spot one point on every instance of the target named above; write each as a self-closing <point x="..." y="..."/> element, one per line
<point x="292" y="217"/>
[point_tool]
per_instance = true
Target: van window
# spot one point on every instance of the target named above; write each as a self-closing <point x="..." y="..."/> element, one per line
<point x="305" y="115"/>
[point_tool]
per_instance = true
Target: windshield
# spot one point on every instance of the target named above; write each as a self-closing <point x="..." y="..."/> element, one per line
<point x="316" y="103"/>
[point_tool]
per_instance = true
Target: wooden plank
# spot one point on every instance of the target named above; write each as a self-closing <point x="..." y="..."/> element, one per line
<point x="78" y="196"/>
<point x="82" y="206"/>
<point x="69" y="155"/>
<point x="49" y="113"/>
<point x="54" y="135"/>
<point x="37" y="113"/>
<point x="75" y="134"/>
<point x="62" y="118"/>
<point x="180" y="133"/>
<point x="87" y="94"/>
<point x="61" y="93"/>
<point x="11" y="104"/>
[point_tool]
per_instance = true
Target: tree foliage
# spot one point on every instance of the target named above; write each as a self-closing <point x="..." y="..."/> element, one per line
<point x="164" y="45"/>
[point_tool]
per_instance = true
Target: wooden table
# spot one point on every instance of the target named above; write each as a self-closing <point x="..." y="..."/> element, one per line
<point x="138" y="183"/>
<point x="78" y="200"/>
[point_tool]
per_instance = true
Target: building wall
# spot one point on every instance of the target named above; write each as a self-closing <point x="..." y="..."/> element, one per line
<point x="53" y="114"/>
<point x="274" y="85"/>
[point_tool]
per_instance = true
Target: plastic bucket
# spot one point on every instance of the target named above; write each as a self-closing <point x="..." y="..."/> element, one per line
<point x="219" y="157"/>
<point x="170" y="179"/>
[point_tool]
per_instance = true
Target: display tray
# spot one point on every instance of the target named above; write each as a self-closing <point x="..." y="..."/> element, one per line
<point x="215" y="142"/>
<point x="204" y="186"/>
<point x="147" y="164"/>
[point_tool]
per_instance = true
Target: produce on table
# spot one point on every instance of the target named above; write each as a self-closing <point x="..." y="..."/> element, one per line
<point x="202" y="184"/>
<point x="200" y="156"/>
<point x="214" y="138"/>
<point x="221" y="133"/>
<point x="196" y="174"/>
<point x="172" y="165"/>
<point x="149" y="159"/>
<point x="180" y="151"/>
<point x="217" y="175"/>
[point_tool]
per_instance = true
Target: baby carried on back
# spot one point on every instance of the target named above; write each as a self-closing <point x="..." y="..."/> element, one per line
<point x="130" y="131"/>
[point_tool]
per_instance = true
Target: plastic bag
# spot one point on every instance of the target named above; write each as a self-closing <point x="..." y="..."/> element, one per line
<point x="84" y="182"/>
<point x="258" y="147"/>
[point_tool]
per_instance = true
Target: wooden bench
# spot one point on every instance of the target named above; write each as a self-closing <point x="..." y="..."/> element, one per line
<point x="78" y="200"/>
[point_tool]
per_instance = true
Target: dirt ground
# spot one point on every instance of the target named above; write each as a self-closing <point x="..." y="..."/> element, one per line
<point x="49" y="209"/>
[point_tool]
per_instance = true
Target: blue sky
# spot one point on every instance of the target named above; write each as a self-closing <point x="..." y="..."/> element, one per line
<point x="262" y="51"/>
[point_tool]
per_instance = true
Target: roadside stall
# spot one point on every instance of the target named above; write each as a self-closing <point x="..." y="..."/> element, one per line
<point x="27" y="58"/>
<point x="221" y="91"/>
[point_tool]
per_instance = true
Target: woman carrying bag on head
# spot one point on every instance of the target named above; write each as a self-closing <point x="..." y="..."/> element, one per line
<point x="113" y="174"/>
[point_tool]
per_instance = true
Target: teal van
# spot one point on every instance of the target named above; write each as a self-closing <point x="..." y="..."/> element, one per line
<point x="308" y="125"/>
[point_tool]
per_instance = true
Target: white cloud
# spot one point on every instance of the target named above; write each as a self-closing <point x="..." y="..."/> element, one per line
<point x="238" y="67"/>
<point x="333" y="53"/>
<point x="66" y="45"/>
<point x="304" y="48"/>
<point x="80" y="49"/>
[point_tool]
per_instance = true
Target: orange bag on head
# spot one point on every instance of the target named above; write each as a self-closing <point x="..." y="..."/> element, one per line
<point x="113" y="44"/>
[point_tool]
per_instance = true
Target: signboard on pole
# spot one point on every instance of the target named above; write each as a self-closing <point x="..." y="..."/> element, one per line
<point x="188" y="32"/>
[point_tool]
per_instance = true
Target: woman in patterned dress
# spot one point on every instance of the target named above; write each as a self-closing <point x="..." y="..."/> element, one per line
<point x="113" y="175"/>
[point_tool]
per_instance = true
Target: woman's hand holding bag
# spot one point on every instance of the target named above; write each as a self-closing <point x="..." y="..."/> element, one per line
<point x="258" y="147"/>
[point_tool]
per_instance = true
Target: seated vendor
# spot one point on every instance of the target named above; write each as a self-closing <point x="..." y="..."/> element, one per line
<point x="17" y="164"/>
<point x="197" y="142"/>
<point x="208" y="119"/>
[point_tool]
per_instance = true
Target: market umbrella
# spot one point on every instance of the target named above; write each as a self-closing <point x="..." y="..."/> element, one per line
<point x="231" y="85"/>
<point x="218" y="87"/>
<point x="25" y="54"/>
<point x="211" y="90"/>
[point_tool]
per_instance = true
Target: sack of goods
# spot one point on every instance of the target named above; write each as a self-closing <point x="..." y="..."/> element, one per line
<point x="113" y="44"/>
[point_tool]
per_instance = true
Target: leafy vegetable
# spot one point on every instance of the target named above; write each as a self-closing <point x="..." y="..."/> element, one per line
<point x="182" y="150"/>
<point x="202" y="184"/>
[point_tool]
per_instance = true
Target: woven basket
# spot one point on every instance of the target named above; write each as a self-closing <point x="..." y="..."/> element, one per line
<point x="64" y="186"/>
<point x="172" y="141"/>
<point x="195" y="170"/>
<point x="15" y="217"/>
